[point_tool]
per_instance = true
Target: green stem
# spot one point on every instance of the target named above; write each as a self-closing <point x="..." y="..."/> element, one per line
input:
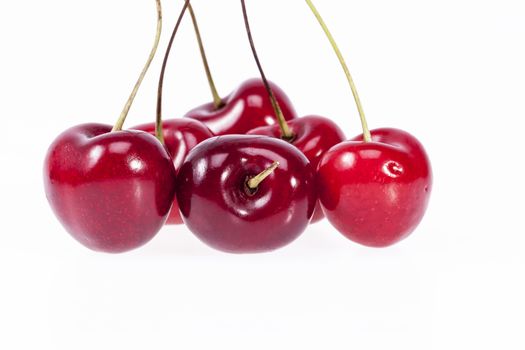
<point x="255" y="181"/>
<point x="217" y="101"/>
<point x="120" y="122"/>
<point x="366" y="132"/>
<point x="158" y="124"/>
<point x="286" y="134"/>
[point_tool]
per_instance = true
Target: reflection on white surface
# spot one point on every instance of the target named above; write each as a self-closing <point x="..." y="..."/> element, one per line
<point x="456" y="283"/>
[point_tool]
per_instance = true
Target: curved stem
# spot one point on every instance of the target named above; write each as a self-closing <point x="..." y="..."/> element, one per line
<point x="120" y="122"/>
<point x="217" y="101"/>
<point x="366" y="132"/>
<point x="285" y="130"/>
<point x="158" y="124"/>
<point x="255" y="181"/>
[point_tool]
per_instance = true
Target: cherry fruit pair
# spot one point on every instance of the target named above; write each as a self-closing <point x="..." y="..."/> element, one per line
<point x="243" y="172"/>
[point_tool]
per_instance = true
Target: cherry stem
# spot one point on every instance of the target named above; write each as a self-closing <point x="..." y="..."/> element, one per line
<point x="120" y="122"/>
<point x="158" y="124"/>
<point x="217" y="100"/>
<point x="366" y="132"/>
<point x="255" y="181"/>
<point x="285" y="130"/>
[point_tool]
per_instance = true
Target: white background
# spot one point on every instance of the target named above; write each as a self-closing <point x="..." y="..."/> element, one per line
<point x="451" y="72"/>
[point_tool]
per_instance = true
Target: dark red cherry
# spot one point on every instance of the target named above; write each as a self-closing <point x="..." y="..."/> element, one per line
<point x="376" y="193"/>
<point x="313" y="135"/>
<point x="112" y="191"/>
<point x="220" y="208"/>
<point x="246" y="108"/>
<point x="180" y="136"/>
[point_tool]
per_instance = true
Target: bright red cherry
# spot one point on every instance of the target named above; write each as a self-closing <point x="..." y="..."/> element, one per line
<point x="180" y="136"/>
<point x="375" y="189"/>
<point x="375" y="193"/>
<point x="221" y="206"/>
<point x="246" y="108"/>
<point x="313" y="135"/>
<point x="112" y="191"/>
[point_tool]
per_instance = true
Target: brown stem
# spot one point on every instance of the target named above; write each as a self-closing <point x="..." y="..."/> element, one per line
<point x="285" y="130"/>
<point x="217" y="101"/>
<point x="158" y="123"/>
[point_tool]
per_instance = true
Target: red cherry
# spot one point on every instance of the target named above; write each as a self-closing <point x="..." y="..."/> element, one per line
<point x="220" y="208"/>
<point x="313" y="136"/>
<point x="180" y="136"/>
<point x="112" y="191"/>
<point x="376" y="193"/>
<point x="246" y="108"/>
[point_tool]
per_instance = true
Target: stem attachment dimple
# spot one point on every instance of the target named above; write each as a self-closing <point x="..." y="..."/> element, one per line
<point x="217" y="100"/>
<point x="286" y="134"/>
<point x="255" y="181"/>
<point x="158" y="123"/>
<point x="120" y="122"/>
<point x="366" y="132"/>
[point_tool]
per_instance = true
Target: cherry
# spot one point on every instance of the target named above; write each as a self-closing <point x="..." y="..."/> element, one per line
<point x="374" y="189"/>
<point x="376" y="193"/>
<point x="246" y="194"/>
<point x="245" y="108"/>
<point x="180" y="136"/>
<point x="313" y="136"/>
<point x="111" y="189"/>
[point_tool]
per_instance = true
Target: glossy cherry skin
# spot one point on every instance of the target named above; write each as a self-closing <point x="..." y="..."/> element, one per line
<point x="218" y="208"/>
<point x="314" y="136"/>
<point x="180" y="136"/>
<point x="246" y="108"/>
<point x="112" y="191"/>
<point x="375" y="193"/>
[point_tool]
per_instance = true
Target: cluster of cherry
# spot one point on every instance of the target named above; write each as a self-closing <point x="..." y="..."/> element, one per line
<point x="244" y="173"/>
